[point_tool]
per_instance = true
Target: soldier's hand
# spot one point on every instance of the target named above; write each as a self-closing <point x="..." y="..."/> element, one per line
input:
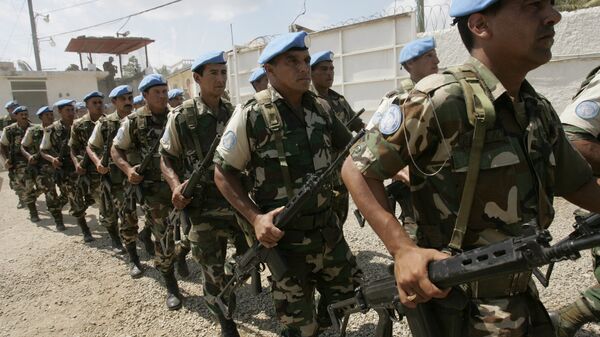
<point x="102" y="169"/>
<point x="80" y="170"/>
<point x="178" y="200"/>
<point x="410" y="269"/>
<point x="133" y="177"/>
<point x="56" y="163"/>
<point x="7" y="164"/>
<point x="266" y="232"/>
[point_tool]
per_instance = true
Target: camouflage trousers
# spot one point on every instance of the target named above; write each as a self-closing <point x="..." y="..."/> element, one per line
<point x="14" y="185"/>
<point x="340" y="203"/>
<point x="128" y="228"/>
<point x="330" y="271"/>
<point x="156" y="207"/>
<point x="44" y="182"/>
<point x="211" y="230"/>
<point x="108" y="217"/>
<point x="592" y="294"/>
<point x="24" y="184"/>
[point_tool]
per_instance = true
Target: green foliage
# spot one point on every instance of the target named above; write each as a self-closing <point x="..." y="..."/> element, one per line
<point x="164" y="71"/>
<point x="571" y="5"/>
<point x="132" y="68"/>
<point x="72" y="67"/>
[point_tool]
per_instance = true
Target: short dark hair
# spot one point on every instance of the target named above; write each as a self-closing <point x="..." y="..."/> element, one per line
<point x="463" y="25"/>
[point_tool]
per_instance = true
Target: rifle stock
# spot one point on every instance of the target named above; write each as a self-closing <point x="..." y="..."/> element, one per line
<point x="516" y="254"/>
<point x="258" y="253"/>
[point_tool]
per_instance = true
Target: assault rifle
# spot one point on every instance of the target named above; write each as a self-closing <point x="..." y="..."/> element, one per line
<point x="258" y="253"/>
<point x="513" y="255"/>
<point x="63" y="156"/>
<point x="362" y="111"/>
<point x="83" y="183"/>
<point x="105" y="182"/>
<point x="178" y="218"/>
<point x="132" y="195"/>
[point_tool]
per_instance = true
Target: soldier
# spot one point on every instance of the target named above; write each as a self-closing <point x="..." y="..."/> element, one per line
<point x="258" y="79"/>
<point x="313" y="244"/>
<point x="15" y="161"/>
<point x="99" y="146"/>
<point x="44" y="180"/>
<point x="55" y="149"/>
<point x="175" y="98"/>
<point x="190" y="131"/>
<point x="80" y="134"/>
<point x="5" y="121"/>
<point x="581" y="121"/>
<point x="138" y="102"/>
<point x="522" y="148"/>
<point x="139" y="135"/>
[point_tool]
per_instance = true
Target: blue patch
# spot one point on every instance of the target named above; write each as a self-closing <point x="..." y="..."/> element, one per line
<point x="376" y="119"/>
<point x="229" y="140"/>
<point x="587" y="109"/>
<point x="391" y="120"/>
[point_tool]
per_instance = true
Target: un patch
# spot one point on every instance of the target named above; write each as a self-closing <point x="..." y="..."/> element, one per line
<point x="587" y="109"/>
<point x="229" y="140"/>
<point x="391" y="120"/>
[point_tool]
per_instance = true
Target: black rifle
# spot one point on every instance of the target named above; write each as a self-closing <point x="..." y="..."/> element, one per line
<point x="362" y="111"/>
<point x="132" y="194"/>
<point x="63" y="155"/>
<point x="513" y="255"/>
<point x="178" y="218"/>
<point x="11" y="158"/>
<point x="105" y="182"/>
<point x="82" y="183"/>
<point x="258" y="253"/>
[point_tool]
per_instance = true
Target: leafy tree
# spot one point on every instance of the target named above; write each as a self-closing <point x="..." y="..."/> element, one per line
<point x="571" y="5"/>
<point x="72" y="67"/>
<point x="132" y="68"/>
<point x="164" y="71"/>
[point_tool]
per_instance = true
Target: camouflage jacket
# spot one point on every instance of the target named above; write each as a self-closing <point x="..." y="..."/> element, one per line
<point x="341" y="108"/>
<point x="32" y="140"/>
<point x="396" y="97"/>
<point x="56" y="143"/>
<point x="5" y="121"/>
<point x="80" y="134"/>
<point x="106" y="129"/>
<point x="581" y="118"/>
<point x="524" y="150"/>
<point x="190" y="125"/>
<point x="309" y="142"/>
<point x="14" y="134"/>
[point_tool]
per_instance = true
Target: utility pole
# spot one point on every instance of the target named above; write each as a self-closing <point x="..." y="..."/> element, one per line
<point x="420" y="16"/>
<point x="36" y="48"/>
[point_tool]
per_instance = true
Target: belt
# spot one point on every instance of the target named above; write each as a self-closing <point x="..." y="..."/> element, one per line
<point x="501" y="286"/>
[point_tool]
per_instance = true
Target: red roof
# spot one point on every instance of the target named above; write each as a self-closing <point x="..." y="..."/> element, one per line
<point x="107" y="44"/>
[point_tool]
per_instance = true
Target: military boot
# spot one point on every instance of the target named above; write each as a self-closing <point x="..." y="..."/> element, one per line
<point x="58" y="221"/>
<point x="33" y="213"/>
<point x="136" y="270"/>
<point x="116" y="241"/>
<point x="182" y="267"/>
<point x="568" y="320"/>
<point x="173" y="296"/>
<point x="228" y="327"/>
<point x="87" y="235"/>
<point x="20" y="205"/>
<point x="146" y="239"/>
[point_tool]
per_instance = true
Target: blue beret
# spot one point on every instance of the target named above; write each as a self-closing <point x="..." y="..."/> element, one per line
<point x="63" y="102"/>
<point x="10" y="104"/>
<point x="174" y="93"/>
<point x="416" y="48"/>
<point x="320" y="57"/>
<point x="257" y="74"/>
<point x="80" y="105"/>
<point x="120" y="91"/>
<point x="150" y="81"/>
<point x="18" y="109"/>
<point x="213" y="56"/>
<point x="139" y="99"/>
<point x="42" y="110"/>
<point x="281" y="44"/>
<point x="460" y="8"/>
<point x="92" y="95"/>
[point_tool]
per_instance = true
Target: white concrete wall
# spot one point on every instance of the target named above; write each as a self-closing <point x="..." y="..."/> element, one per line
<point x="576" y="51"/>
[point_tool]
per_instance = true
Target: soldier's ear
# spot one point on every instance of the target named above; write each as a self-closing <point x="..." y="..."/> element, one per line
<point x="196" y="77"/>
<point x="478" y="25"/>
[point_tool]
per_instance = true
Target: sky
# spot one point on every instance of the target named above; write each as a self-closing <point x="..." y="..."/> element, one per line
<point x="183" y="30"/>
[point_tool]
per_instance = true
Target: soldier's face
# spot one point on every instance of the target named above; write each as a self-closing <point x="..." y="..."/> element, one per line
<point x="157" y="98"/>
<point x="67" y="113"/>
<point x="47" y="118"/>
<point x="213" y="80"/>
<point x="261" y="84"/>
<point x="21" y="116"/>
<point x="423" y="65"/>
<point x="123" y="103"/>
<point x="521" y="33"/>
<point x="95" y="106"/>
<point x="322" y="74"/>
<point x="290" y="71"/>
<point x="177" y="101"/>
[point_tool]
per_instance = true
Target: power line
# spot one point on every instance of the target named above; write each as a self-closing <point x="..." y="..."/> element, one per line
<point x="69" y="7"/>
<point x="112" y="21"/>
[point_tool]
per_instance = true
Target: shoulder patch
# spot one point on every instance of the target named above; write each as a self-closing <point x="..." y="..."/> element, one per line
<point x="434" y="82"/>
<point x="587" y="109"/>
<point x="120" y="134"/>
<point x="391" y="120"/>
<point x="229" y="140"/>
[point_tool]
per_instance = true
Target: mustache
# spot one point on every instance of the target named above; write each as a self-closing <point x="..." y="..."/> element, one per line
<point x="129" y="105"/>
<point x="546" y="32"/>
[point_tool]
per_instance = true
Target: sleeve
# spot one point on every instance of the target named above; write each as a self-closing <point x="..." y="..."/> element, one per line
<point x="122" y="140"/>
<point x="74" y="138"/>
<point x="46" y="144"/>
<point x="402" y="136"/>
<point x="576" y="133"/>
<point x="4" y="139"/>
<point x="96" y="140"/>
<point x="381" y="109"/>
<point x="27" y="138"/>
<point x="169" y="142"/>
<point x="584" y="112"/>
<point x="234" y="149"/>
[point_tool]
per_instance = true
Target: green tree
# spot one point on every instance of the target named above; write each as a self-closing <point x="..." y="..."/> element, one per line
<point x="132" y="67"/>
<point x="72" y="67"/>
<point x="164" y="71"/>
<point x="571" y="5"/>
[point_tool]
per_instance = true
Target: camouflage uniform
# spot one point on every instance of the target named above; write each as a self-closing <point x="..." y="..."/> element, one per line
<point x="581" y="121"/>
<point x="192" y="127"/>
<point x="24" y="178"/>
<point x="80" y="134"/>
<point x="524" y="150"/>
<point x="44" y="180"/>
<point x="313" y="244"/>
<point x="5" y="121"/>
<point x="136" y="136"/>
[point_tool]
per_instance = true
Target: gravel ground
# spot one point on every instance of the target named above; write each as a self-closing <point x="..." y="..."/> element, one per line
<point x="52" y="284"/>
